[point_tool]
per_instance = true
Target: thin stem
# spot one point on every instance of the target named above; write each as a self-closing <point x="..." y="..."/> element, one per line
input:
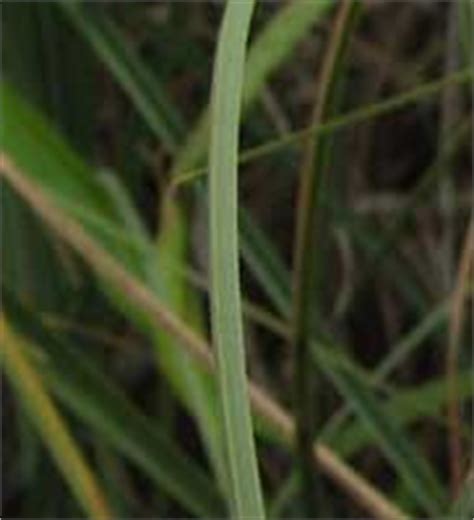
<point x="304" y="259"/>
<point x="457" y="312"/>
<point x="356" y="116"/>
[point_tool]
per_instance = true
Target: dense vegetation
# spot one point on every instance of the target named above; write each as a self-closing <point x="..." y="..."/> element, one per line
<point x="237" y="245"/>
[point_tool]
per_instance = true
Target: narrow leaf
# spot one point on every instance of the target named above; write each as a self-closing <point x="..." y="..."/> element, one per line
<point x="51" y="427"/>
<point x="226" y="315"/>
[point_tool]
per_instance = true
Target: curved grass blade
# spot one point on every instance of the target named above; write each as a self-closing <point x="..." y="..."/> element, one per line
<point x="226" y="316"/>
<point x="84" y="388"/>
<point x="195" y="386"/>
<point x="51" y="427"/>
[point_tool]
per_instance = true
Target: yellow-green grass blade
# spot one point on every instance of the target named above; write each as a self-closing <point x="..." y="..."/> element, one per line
<point x="50" y="425"/>
<point x="197" y="389"/>
<point x="82" y="386"/>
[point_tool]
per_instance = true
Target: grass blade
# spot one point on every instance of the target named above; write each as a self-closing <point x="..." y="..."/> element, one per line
<point x="226" y="317"/>
<point x="306" y="261"/>
<point x="50" y="425"/>
<point x="457" y="317"/>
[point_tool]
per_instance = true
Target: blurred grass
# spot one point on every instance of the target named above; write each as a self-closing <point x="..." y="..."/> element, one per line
<point x="109" y="142"/>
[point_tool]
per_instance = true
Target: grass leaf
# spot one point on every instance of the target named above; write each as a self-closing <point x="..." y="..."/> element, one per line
<point x="51" y="427"/>
<point x="226" y="316"/>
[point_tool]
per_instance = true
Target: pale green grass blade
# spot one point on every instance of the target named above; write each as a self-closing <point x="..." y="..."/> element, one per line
<point x="226" y="316"/>
<point x="50" y="425"/>
<point x="411" y="466"/>
<point x="146" y="93"/>
<point x="85" y="389"/>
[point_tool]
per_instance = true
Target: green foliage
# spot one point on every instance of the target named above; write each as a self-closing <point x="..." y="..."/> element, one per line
<point x="125" y="411"/>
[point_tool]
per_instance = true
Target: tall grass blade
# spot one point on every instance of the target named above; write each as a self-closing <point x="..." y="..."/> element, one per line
<point x="308" y="240"/>
<point x="226" y="317"/>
